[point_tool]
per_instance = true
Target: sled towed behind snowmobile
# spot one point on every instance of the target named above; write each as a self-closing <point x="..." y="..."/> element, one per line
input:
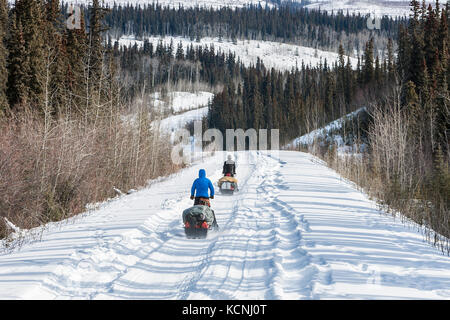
<point x="198" y="220"/>
<point x="228" y="184"/>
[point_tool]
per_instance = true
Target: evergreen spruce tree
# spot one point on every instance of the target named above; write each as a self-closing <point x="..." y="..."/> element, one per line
<point x="76" y="48"/>
<point x="359" y="78"/>
<point x="56" y="59"/>
<point x="180" y="53"/>
<point x="417" y="56"/>
<point x="3" y="56"/>
<point x="349" y="82"/>
<point x="330" y="94"/>
<point x="430" y="38"/>
<point x="368" y="67"/>
<point x="378" y="76"/>
<point x="390" y="61"/>
<point x="18" y="66"/>
<point x="441" y="110"/>
<point x="96" y="51"/>
<point x="341" y="73"/>
<point x="30" y="19"/>
<point x="404" y="54"/>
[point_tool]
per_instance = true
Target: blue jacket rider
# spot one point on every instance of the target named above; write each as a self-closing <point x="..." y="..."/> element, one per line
<point x="201" y="185"/>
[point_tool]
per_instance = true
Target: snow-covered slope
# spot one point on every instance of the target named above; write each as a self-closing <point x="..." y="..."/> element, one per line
<point x="392" y="8"/>
<point x="173" y="123"/>
<point x="187" y="106"/>
<point x="181" y="101"/>
<point x="294" y="231"/>
<point x="323" y="133"/>
<point x="281" y="56"/>
<point x="184" y="3"/>
<point x="179" y="108"/>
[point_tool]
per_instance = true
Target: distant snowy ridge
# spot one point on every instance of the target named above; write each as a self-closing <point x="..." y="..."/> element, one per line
<point x="391" y="8"/>
<point x="281" y="56"/>
<point x="177" y="3"/>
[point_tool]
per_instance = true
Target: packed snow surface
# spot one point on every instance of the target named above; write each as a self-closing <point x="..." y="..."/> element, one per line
<point x="295" y="230"/>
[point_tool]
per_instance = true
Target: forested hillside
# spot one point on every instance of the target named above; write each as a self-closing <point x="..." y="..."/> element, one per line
<point x="63" y="141"/>
<point x="64" y="95"/>
<point x="286" y="23"/>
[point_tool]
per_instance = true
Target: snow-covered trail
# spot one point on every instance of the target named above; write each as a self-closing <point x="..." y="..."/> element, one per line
<point x="294" y="231"/>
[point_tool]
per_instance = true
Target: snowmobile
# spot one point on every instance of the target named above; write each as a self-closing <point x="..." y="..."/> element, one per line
<point x="198" y="220"/>
<point x="228" y="184"/>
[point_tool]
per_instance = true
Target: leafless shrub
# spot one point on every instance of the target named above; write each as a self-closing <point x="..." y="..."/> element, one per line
<point x="50" y="170"/>
<point x="401" y="177"/>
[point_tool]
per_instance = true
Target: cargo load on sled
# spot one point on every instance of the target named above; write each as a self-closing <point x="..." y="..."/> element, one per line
<point x="198" y="220"/>
<point x="228" y="184"/>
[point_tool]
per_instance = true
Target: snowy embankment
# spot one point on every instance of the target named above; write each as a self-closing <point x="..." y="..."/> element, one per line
<point x="281" y="56"/>
<point x="173" y="123"/>
<point x="186" y="106"/>
<point x="179" y="107"/>
<point x="180" y="101"/>
<point x="329" y="135"/>
<point x="295" y="230"/>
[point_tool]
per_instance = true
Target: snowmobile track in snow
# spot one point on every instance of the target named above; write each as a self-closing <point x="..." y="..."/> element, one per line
<point x="295" y="230"/>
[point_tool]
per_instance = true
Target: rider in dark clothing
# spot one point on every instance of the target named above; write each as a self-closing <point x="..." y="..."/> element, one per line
<point x="229" y="166"/>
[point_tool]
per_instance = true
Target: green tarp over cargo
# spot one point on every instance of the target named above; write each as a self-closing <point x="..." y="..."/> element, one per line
<point x="197" y="212"/>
